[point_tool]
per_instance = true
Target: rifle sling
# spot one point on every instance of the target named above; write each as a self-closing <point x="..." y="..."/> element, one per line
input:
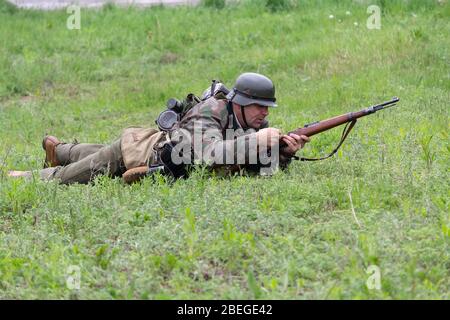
<point x="345" y="133"/>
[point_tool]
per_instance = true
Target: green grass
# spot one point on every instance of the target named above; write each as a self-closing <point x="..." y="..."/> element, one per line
<point x="291" y="236"/>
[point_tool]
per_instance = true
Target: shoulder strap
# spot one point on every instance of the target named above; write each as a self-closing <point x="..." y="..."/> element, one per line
<point x="231" y="116"/>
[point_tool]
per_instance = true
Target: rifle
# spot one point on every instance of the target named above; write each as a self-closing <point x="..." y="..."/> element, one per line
<point x="349" y="119"/>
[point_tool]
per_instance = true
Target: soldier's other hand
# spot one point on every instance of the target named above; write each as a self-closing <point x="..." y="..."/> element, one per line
<point x="268" y="137"/>
<point x="294" y="143"/>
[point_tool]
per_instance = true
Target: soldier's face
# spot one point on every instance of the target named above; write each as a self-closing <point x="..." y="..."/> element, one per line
<point x="255" y="115"/>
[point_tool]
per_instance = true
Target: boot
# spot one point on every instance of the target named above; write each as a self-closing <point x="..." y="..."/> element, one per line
<point x="49" y="144"/>
<point x="135" y="174"/>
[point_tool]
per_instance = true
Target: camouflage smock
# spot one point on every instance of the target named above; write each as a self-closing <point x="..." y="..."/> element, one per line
<point x="140" y="145"/>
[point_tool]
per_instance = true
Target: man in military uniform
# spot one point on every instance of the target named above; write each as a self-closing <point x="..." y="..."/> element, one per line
<point x="242" y="111"/>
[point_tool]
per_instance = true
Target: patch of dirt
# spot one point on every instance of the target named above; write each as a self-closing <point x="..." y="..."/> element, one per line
<point x="169" y="57"/>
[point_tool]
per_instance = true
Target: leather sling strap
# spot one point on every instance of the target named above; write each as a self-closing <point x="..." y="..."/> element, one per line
<point x="348" y="127"/>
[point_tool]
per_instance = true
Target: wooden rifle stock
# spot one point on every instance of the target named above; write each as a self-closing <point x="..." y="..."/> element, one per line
<point x="313" y="128"/>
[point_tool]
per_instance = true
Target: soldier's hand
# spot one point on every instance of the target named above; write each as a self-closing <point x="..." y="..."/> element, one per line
<point x="294" y="143"/>
<point x="268" y="137"/>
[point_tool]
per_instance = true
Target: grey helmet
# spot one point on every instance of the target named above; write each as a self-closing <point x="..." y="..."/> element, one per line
<point x="253" y="88"/>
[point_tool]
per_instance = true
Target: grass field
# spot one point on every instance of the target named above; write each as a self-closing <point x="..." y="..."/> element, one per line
<point x="290" y="236"/>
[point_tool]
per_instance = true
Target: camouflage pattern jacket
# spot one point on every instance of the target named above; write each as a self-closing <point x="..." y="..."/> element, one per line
<point x="217" y="139"/>
<point x="208" y="134"/>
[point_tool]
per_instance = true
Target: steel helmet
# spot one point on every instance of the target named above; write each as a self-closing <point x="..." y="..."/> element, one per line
<point x="253" y="88"/>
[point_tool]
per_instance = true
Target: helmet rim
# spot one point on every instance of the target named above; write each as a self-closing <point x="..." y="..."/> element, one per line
<point x="238" y="98"/>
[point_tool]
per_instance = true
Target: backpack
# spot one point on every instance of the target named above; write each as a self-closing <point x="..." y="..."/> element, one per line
<point x="177" y="109"/>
